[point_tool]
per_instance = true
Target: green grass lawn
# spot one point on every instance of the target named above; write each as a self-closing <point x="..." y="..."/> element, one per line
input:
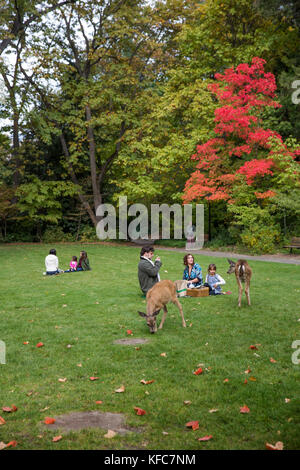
<point x="89" y="310"/>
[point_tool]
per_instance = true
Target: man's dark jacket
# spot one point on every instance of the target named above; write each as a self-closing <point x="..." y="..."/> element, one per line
<point x="148" y="274"/>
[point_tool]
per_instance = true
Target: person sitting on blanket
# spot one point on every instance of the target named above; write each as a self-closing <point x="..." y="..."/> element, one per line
<point x="192" y="272"/>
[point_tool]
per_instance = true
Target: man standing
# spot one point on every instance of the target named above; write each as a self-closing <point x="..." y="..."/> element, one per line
<point x="147" y="270"/>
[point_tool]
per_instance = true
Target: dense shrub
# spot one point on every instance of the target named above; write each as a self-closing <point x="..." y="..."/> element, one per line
<point x="56" y="234"/>
<point x="261" y="239"/>
<point x="88" y="234"/>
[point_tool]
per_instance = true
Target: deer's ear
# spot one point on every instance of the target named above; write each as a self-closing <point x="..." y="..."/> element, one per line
<point x="142" y="314"/>
<point x="230" y="262"/>
<point x="156" y="313"/>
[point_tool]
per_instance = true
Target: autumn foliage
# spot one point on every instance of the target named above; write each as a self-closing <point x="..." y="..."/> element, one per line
<point x="242" y="149"/>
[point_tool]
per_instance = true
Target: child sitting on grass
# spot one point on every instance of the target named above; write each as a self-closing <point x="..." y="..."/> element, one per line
<point x="73" y="263"/>
<point x="214" y="281"/>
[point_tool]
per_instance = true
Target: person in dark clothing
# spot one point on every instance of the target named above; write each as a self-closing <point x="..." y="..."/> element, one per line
<point x="148" y="272"/>
<point x="83" y="263"/>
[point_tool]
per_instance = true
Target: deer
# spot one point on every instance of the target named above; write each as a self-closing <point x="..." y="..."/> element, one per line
<point x="157" y="297"/>
<point x="243" y="273"/>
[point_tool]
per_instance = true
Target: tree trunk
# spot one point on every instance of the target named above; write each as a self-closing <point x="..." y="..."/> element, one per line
<point x="92" y="153"/>
<point x="16" y="150"/>
<point x="81" y="196"/>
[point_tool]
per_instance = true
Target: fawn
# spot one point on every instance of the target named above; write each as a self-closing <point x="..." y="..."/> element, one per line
<point x="243" y="273"/>
<point x="157" y="297"/>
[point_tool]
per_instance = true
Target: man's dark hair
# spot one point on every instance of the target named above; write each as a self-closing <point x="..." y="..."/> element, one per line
<point x="52" y="252"/>
<point x="146" y="249"/>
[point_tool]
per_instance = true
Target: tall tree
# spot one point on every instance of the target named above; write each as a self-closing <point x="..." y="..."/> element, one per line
<point x="104" y="58"/>
<point x="214" y="35"/>
<point x="18" y="15"/>
<point x="245" y="163"/>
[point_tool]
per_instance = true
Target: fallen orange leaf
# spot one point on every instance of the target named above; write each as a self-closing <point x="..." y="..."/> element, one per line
<point x="193" y="424"/>
<point x="2" y="421"/>
<point x="225" y="381"/>
<point x="146" y="382"/>
<point x="278" y="446"/>
<point x="272" y="360"/>
<point x="26" y="342"/>
<point x="198" y="371"/>
<point x="253" y="346"/>
<point x="99" y="402"/>
<point x="248" y="371"/>
<point x="129" y="332"/>
<point x="205" y="438"/>
<point x="121" y="389"/>
<point x="94" y="378"/>
<point x="139" y="411"/>
<point x="49" y="420"/>
<point x="7" y="409"/>
<point x="56" y="438"/>
<point x="11" y="443"/>
<point x="39" y="345"/>
<point x="244" y="409"/>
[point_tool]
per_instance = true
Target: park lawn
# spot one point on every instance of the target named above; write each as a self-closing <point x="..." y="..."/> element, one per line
<point x="90" y="310"/>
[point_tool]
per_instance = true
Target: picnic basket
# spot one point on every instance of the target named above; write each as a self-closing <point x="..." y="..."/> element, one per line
<point x="198" y="292"/>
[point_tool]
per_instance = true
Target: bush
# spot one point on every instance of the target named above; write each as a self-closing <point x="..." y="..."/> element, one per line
<point x="18" y="238"/>
<point x="88" y="234"/>
<point x="222" y="239"/>
<point x="56" y="234"/>
<point x="261" y="239"/>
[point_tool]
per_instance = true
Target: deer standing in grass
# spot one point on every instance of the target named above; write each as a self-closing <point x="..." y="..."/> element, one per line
<point x="243" y="273"/>
<point x="157" y="297"/>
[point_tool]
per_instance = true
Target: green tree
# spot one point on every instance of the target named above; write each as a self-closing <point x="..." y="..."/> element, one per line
<point x="105" y="58"/>
<point x="17" y="16"/>
<point x="214" y="35"/>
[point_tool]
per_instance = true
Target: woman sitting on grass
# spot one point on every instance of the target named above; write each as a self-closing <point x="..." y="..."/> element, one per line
<point x="192" y="272"/>
<point x="51" y="263"/>
<point x="83" y="263"/>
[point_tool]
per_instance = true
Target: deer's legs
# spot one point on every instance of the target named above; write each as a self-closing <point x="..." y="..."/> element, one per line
<point x="163" y="317"/>
<point x="240" y="292"/>
<point x="176" y="302"/>
<point x="247" y="292"/>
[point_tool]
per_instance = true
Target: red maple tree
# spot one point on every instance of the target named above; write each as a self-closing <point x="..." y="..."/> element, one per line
<point x="242" y="146"/>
